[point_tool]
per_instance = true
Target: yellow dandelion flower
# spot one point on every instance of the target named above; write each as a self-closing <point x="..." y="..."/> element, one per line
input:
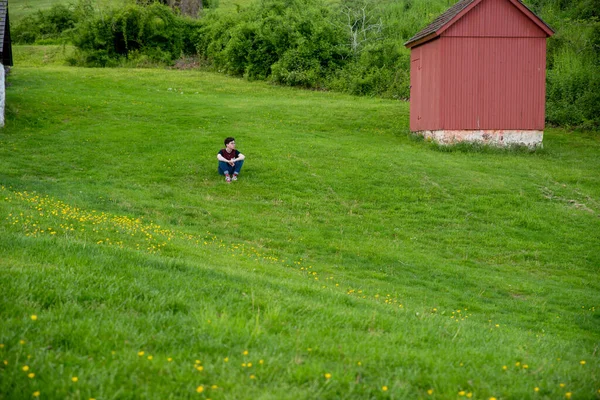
<point x="21" y="341"/>
<point x="245" y="352"/>
<point x="430" y="392"/>
<point x="492" y="398"/>
<point x="525" y="366"/>
<point x="36" y="393"/>
<point x="384" y="388"/>
<point x="517" y="364"/>
<point x="536" y="389"/>
<point x="461" y="393"/>
<point x="5" y="362"/>
<point x="34" y="317"/>
<point x="198" y="362"/>
<point x="328" y="376"/>
<point x="200" y="368"/>
<point x="469" y="395"/>
<point x="562" y="385"/>
<point x="504" y="367"/>
<point x="200" y="389"/>
<point x="261" y="362"/>
<point x="568" y="395"/>
<point x="31" y="375"/>
<point x="169" y="359"/>
<point x="582" y="362"/>
<point x="252" y="376"/>
<point x="214" y="387"/>
<point x="74" y="379"/>
<point x="226" y="359"/>
<point x="243" y="365"/>
<point x="150" y="357"/>
<point x="249" y="365"/>
<point x="140" y="353"/>
<point x="359" y="363"/>
<point x="25" y="368"/>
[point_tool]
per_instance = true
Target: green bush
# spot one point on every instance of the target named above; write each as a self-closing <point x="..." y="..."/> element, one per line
<point x="573" y="91"/>
<point x="382" y="69"/>
<point x="26" y="31"/>
<point x="152" y="32"/>
<point x="292" y="42"/>
<point x="573" y="82"/>
<point x="54" y="23"/>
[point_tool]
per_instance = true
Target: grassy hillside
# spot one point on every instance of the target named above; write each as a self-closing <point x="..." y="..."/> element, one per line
<point x="349" y="261"/>
<point x="21" y="8"/>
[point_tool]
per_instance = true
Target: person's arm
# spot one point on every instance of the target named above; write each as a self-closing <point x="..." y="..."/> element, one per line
<point x="239" y="157"/>
<point x="221" y="158"/>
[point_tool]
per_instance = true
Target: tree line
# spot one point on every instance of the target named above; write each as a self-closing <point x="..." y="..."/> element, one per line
<point x="353" y="46"/>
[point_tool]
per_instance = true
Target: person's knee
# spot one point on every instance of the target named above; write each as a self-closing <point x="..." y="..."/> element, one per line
<point x="223" y="167"/>
<point x="238" y="166"/>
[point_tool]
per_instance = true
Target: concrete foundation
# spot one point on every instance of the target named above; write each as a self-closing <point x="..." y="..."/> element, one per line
<point x="501" y="138"/>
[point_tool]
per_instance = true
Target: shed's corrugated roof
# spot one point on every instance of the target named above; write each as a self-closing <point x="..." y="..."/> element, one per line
<point x="452" y="12"/>
<point x="3" y="9"/>
<point x="441" y="20"/>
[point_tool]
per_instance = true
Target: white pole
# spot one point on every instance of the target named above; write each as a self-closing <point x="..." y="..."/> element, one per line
<point x="2" y="95"/>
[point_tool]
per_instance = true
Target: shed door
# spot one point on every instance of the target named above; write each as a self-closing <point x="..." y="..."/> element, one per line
<point x="416" y="95"/>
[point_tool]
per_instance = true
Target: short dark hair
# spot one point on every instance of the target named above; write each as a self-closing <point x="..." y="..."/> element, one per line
<point x="229" y="139"/>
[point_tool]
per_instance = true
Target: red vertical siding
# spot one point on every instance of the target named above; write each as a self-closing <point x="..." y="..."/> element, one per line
<point x="495" y="18"/>
<point x="416" y="93"/>
<point x="425" y="86"/>
<point x="493" y="83"/>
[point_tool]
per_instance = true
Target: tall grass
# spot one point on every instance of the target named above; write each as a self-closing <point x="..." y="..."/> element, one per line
<point x="349" y="261"/>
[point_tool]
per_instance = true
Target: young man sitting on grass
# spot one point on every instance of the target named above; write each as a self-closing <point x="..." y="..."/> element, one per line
<point x="230" y="161"/>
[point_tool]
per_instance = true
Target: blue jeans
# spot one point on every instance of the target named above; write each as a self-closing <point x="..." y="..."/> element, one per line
<point x="225" y="168"/>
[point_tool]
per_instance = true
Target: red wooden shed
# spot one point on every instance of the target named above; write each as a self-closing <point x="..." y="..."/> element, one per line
<point x="478" y="73"/>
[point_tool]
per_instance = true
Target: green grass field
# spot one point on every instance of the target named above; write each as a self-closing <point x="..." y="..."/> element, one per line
<point x="350" y="260"/>
<point x="21" y="8"/>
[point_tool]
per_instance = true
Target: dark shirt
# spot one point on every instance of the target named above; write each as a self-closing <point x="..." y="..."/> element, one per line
<point x="229" y="156"/>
